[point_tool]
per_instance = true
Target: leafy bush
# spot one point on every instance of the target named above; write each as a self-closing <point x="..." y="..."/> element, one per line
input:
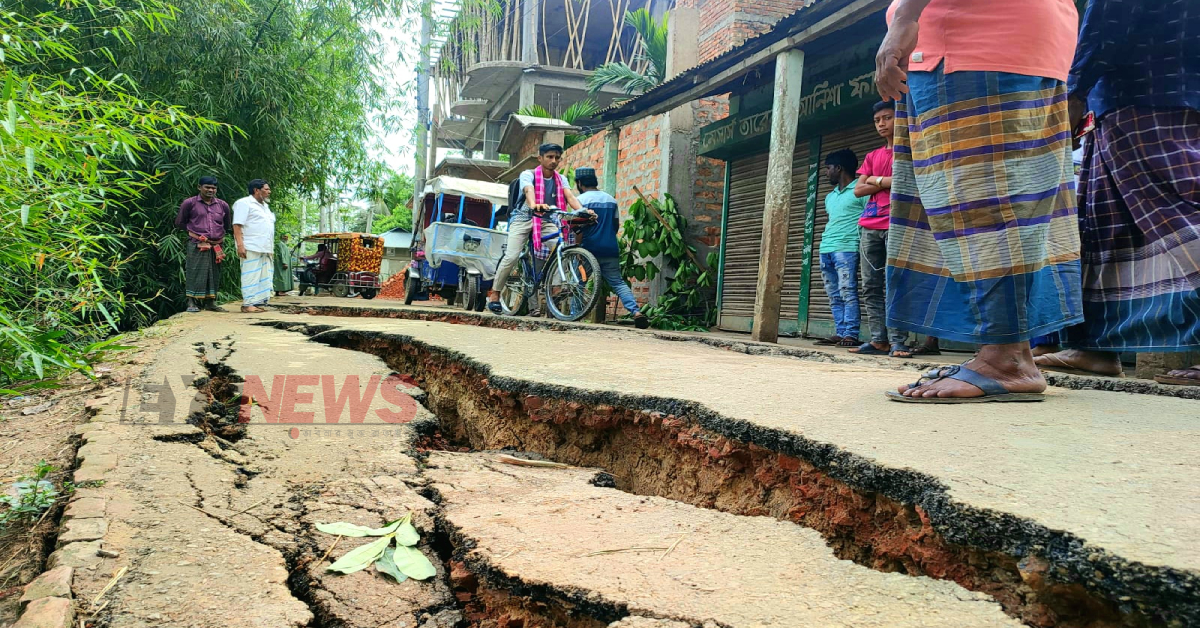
<point x="686" y="304"/>
<point x="33" y="495"/>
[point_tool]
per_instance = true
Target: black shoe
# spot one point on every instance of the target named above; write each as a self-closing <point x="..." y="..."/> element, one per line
<point x="641" y="321"/>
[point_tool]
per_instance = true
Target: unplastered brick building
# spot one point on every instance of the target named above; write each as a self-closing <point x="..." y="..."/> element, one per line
<point x="660" y="154"/>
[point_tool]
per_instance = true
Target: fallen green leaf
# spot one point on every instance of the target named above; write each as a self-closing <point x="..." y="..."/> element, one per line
<point x="387" y="565"/>
<point x="413" y="563"/>
<point x="361" y="557"/>
<point x="406" y="534"/>
<point x="342" y="528"/>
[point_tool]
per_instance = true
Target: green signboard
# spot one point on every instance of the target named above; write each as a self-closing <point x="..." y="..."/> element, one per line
<point x="825" y="98"/>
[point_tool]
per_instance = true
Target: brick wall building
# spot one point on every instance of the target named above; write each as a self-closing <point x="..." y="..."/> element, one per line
<point x="724" y="24"/>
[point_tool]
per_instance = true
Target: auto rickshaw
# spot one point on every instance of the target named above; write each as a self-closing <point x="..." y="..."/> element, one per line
<point x="456" y="245"/>
<point x="352" y="266"/>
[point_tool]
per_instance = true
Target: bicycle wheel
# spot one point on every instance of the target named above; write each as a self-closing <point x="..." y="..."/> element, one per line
<point x="573" y="285"/>
<point x="514" y="298"/>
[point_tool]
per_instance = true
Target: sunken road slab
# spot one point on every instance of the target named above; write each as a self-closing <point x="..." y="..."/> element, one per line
<point x="555" y="533"/>
<point x="1117" y="470"/>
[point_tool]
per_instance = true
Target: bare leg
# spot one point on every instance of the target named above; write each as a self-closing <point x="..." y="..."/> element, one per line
<point x="1010" y="364"/>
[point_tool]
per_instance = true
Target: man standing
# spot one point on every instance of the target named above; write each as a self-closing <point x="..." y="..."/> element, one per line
<point x="839" y="247"/>
<point x="254" y="232"/>
<point x="875" y="183"/>
<point x="1138" y="67"/>
<point x="601" y="240"/>
<point x="283" y="267"/>
<point x="541" y="187"/>
<point x="207" y="219"/>
<point x="984" y="242"/>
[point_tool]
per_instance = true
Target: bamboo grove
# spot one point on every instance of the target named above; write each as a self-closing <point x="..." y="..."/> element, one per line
<point x="112" y="109"/>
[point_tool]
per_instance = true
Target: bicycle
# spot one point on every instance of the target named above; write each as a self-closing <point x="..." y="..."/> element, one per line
<point x="570" y="276"/>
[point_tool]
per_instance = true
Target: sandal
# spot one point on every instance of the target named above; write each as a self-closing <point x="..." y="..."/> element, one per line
<point x="833" y="341"/>
<point x="252" y="309"/>
<point x="494" y="307"/>
<point x="898" y="349"/>
<point x="992" y="389"/>
<point x="1175" y="380"/>
<point x="867" y="348"/>
<point x="847" y="342"/>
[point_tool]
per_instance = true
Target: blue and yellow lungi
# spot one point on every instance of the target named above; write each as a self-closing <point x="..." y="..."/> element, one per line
<point x="983" y="246"/>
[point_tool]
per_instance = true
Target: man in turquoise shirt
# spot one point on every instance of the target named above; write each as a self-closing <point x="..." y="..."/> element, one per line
<point x="839" y="247"/>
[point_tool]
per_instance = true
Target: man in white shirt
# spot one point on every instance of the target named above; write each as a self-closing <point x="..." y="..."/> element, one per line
<point x="254" y="232"/>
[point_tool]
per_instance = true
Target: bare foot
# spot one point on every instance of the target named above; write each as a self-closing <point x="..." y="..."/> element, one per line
<point x="1046" y="349"/>
<point x="251" y="309"/>
<point x="1011" y="365"/>
<point x="1095" y="362"/>
<point x="1188" y="373"/>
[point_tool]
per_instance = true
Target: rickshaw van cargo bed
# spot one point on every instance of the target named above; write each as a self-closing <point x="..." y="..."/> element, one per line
<point x="468" y="246"/>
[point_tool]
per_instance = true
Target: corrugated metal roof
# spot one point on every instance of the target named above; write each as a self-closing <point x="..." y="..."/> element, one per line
<point x="804" y="17"/>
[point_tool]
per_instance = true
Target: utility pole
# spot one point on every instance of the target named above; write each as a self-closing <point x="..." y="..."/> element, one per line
<point x="423" y="139"/>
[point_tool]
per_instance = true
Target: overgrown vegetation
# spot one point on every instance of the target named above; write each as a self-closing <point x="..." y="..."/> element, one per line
<point x="653" y="235"/>
<point x="30" y="497"/>
<point x="111" y="110"/>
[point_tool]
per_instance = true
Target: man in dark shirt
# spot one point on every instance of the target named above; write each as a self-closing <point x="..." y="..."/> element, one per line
<point x="601" y="240"/>
<point x="1137" y="67"/>
<point x="207" y="219"/>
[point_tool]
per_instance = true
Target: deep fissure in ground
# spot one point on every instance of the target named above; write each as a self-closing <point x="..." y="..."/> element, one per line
<point x="889" y="520"/>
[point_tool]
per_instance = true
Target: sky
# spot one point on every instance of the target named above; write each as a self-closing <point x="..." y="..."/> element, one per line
<point x="402" y="50"/>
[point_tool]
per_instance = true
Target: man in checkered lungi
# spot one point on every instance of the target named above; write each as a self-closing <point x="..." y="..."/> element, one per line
<point x="1138" y="67"/>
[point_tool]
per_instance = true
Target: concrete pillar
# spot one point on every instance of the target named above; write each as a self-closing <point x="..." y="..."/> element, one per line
<point x="526" y="97"/>
<point x="785" y="110"/>
<point x="531" y="17"/>
<point x="612" y="151"/>
<point x="491" y="139"/>
<point x="677" y="133"/>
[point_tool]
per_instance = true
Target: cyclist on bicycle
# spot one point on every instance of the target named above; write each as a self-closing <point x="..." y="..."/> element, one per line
<point x="542" y="188"/>
<point x="601" y="240"/>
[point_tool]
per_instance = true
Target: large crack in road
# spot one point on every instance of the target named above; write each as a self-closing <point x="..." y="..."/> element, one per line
<point x="888" y="520"/>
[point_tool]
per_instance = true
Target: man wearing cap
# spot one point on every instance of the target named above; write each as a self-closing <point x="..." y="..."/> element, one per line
<point x="601" y="240"/>
<point x="207" y="219"/>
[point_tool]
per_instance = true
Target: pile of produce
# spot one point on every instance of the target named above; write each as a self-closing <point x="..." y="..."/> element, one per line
<point x="355" y="257"/>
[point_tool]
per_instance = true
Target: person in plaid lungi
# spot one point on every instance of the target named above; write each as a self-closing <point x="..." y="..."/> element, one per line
<point x="1138" y="67"/>
<point x="983" y="246"/>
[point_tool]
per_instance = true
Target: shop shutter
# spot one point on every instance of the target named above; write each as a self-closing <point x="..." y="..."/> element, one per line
<point x="743" y="237"/>
<point x="861" y="140"/>
<point x="743" y="243"/>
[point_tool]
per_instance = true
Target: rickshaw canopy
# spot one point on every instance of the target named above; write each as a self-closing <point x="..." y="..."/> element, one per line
<point x="494" y="193"/>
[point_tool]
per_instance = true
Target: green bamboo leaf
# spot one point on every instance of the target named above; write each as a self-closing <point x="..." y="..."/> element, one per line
<point x="361" y="557"/>
<point x="10" y="124"/>
<point x="413" y="563"/>
<point x="24" y="215"/>
<point x="387" y="565"/>
<point x="29" y="161"/>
